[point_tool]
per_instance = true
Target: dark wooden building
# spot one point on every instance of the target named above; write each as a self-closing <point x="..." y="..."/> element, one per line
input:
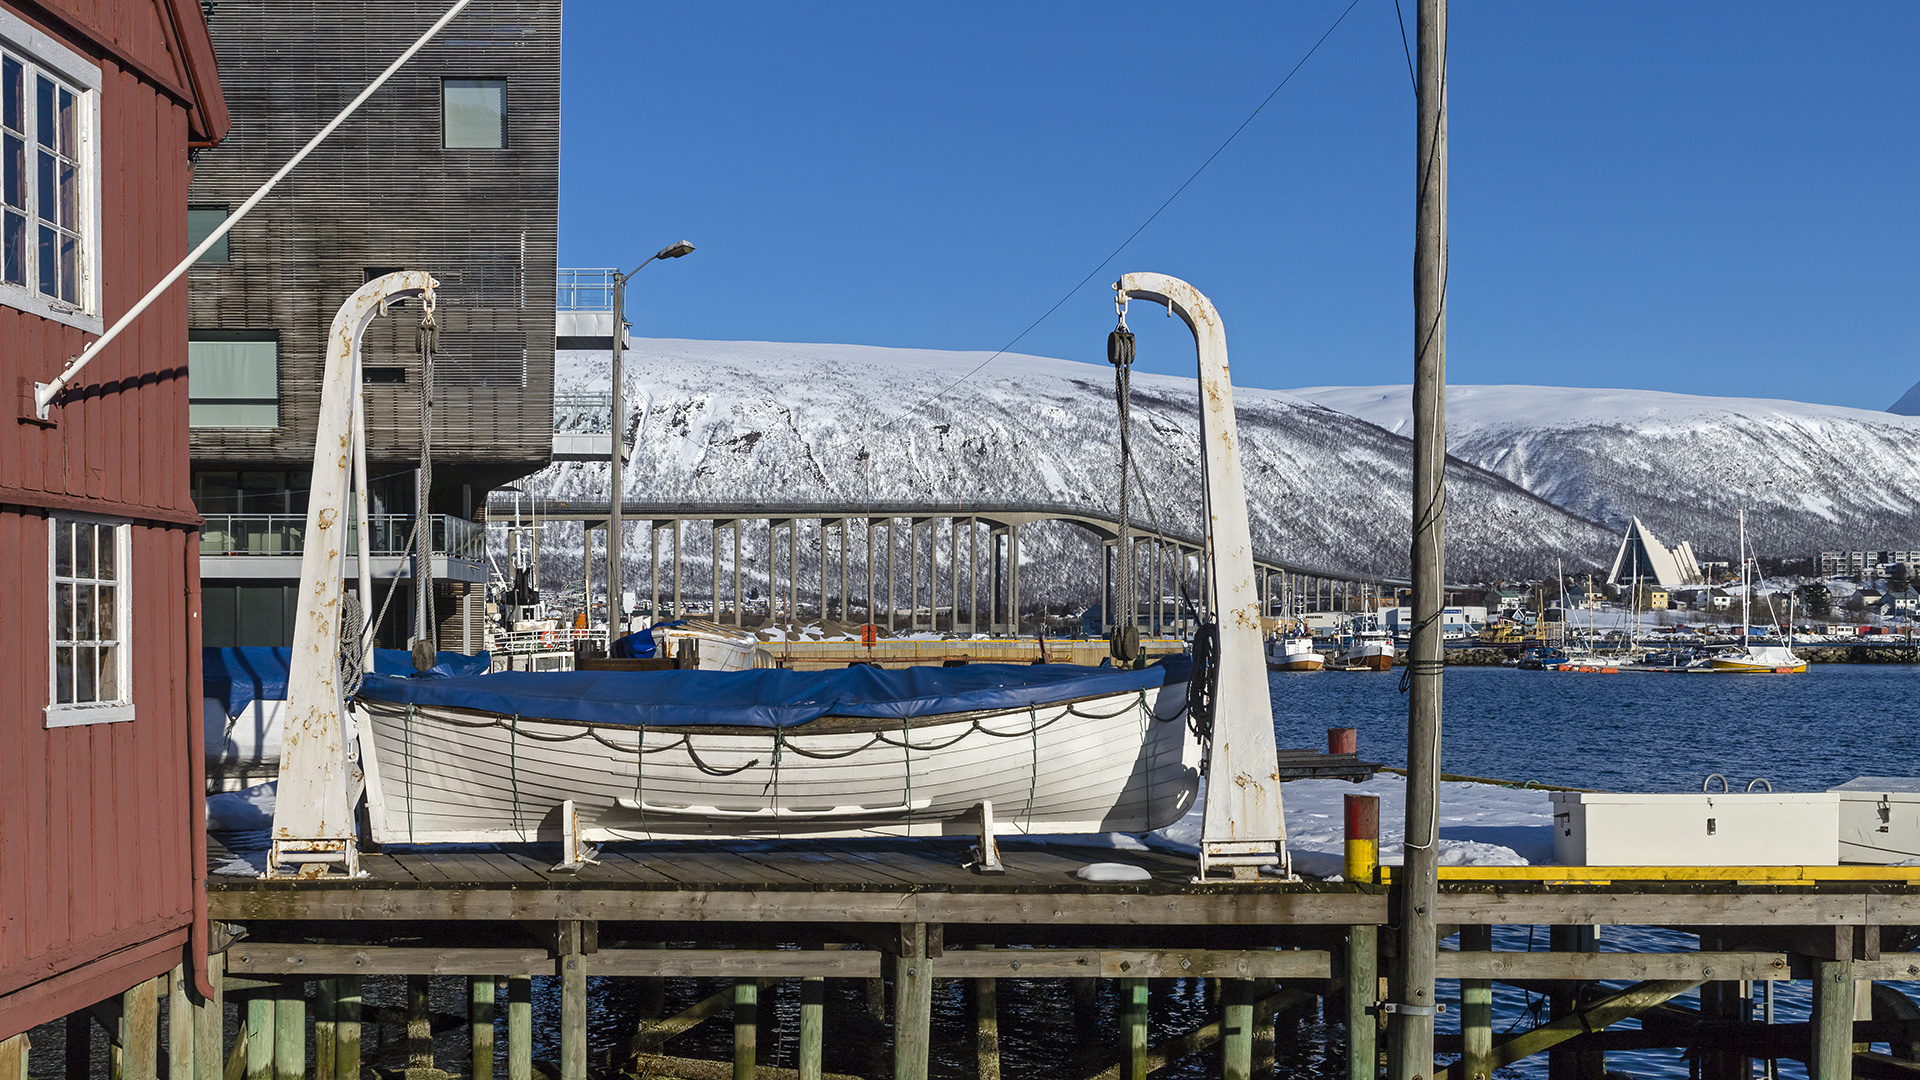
<point x="101" y="814"/>
<point x="453" y="168"/>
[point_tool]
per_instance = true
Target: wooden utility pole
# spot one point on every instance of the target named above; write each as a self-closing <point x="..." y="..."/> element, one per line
<point x="1412" y="983"/>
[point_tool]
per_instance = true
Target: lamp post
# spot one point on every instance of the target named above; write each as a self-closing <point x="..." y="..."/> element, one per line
<point x="616" y="608"/>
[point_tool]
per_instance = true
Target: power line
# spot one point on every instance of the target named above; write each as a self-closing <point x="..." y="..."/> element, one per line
<point x="1135" y="233"/>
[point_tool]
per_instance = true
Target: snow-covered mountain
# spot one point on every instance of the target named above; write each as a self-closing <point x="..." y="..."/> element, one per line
<point x="1812" y="477"/>
<point x="740" y="421"/>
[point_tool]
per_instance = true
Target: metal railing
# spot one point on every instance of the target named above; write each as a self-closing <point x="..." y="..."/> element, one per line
<point x="563" y="639"/>
<point x="284" y="534"/>
<point x="583" y="414"/>
<point x="585" y="290"/>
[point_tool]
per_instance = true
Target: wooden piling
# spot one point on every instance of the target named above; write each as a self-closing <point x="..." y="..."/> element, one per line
<point x="325" y="991"/>
<point x="573" y="1006"/>
<point x="260" y="1009"/>
<point x="912" y="1004"/>
<point x="13" y="1056"/>
<point x="346" y="1028"/>
<point x="480" y="994"/>
<point x="140" y="1044"/>
<point x="653" y="991"/>
<point x="813" y="1017"/>
<point x="1833" y="1005"/>
<point x="419" y="1029"/>
<point x="290" y="1032"/>
<point x="986" y="1021"/>
<point x="746" y="1027"/>
<point x="179" y="1026"/>
<point x="1236" y="1029"/>
<point x="1566" y="1000"/>
<point x="1362" y="990"/>
<point x="1476" y="1009"/>
<point x="1266" y="1029"/>
<point x="1133" y="1028"/>
<point x="520" y="1028"/>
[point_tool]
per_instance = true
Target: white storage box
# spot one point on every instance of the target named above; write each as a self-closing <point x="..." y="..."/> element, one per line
<point x="1719" y="829"/>
<point x="1879" y="819"/>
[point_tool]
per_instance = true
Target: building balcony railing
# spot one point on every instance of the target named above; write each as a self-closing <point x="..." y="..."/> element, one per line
<point x="283" y="534"/>
<point x="583" y="414"/>
<point x="585" y="290"/>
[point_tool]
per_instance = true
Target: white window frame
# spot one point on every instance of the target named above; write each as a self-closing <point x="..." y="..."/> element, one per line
<point x="104" y="712"/>
<point x="44" y="55"/>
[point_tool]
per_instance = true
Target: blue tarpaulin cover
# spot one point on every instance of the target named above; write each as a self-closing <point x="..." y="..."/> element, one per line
<point x="640" y="645"/>
<point x="768" y="697"/>
<point x="238" y="677"/>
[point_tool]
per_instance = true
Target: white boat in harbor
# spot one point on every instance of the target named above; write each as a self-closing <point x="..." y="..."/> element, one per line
<point x="1294" y="652"/>
<point x="772" y="753"/>
<point x="1750" y="658"/>
<point x="1365" y="647"/>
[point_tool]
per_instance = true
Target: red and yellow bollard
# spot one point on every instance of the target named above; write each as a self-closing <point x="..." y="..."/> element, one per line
<point x="1363" y="838"/>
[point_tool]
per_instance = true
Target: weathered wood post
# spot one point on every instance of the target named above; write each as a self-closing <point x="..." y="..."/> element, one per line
<point x="180" y="1017"/>
<point x="1476" y="1009"/>
<point x="325" y="993"/>
<point x="520" y="1028"/>
<point x="13" y="1056"/>
<point x="1133" y="1027"/>
<point x="813" y="1005"/>
<point x="1266" y="1025"/>
<point x="288" y="1036"/>
<point x="1236" y="1029"/>
<point x="260" y="1009"/>
<point x="1564" y="1064"/>
<point x="419" y="1029"/>
<point x="653" y="991"/>
<point x="1362" y="993"/>
<point x="346" y="1028"/>
<point x="1722" y="999"/>
<point x="1833" y="1005"/>
<point x="746" y="1027"/>
<point x="573" y="998"/>
<point x="140" y="1031"/>
<point x="480" y="1020"/>
<point x="986" y="1031"/>
<point x="912" y="1003"/>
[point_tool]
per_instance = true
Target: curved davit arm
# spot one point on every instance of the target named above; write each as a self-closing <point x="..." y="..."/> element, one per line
<point x="1243" y="827"/>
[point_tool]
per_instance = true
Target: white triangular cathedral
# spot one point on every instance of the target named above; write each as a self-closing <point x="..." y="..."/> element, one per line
<point x="1643" y="557"/>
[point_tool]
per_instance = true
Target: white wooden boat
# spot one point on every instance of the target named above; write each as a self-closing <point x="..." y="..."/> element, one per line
<point x="1294" y="652"/>
<point x="1054" y="748"/>
<point x="1366" y="647"/>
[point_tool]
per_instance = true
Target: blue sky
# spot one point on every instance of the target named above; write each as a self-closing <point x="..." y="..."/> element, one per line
<point x="1703" y="198"/>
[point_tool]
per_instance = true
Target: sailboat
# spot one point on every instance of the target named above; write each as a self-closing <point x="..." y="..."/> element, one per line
<point x="1748" y="657"/>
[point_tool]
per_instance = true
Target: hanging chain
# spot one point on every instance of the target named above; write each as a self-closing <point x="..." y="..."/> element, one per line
<point x="426" y="339"/>
<point x="1125" y="644"/>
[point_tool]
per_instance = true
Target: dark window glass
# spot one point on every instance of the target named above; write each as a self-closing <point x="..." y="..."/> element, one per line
<point x="474" y="114"/>
<point x="201" y="221"/>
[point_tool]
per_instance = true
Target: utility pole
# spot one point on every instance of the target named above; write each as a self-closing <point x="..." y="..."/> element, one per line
<point x="1411" y="1045"/>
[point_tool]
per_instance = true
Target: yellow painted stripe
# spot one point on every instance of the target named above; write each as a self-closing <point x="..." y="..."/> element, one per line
<point x="1363" y="859"/>
<point x="1592" y="874"/>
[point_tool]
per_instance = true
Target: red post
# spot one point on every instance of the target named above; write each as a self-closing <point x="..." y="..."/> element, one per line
<point x="1363" y="837"/>
<point x="1343" y="740"/>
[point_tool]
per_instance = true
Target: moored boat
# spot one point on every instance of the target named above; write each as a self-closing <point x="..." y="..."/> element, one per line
<point x="774" y="753"/>
<point x="1365" y="647"/>
<point x="1294" y="652"/>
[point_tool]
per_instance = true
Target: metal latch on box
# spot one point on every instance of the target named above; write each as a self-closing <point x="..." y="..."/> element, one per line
<point x="1408" y="1010"/>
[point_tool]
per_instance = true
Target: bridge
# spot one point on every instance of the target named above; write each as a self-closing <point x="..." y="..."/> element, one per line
<point x="1163" y="558"/>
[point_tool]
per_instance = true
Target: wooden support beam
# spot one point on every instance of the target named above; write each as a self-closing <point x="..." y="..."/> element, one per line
<point x="912" y="1007"/>
<point x="1513" y="967"/>
<point x="986" y="1020"/>
<point x="480" y="1016"/>
<point x="662" y="1065"/>
<point x="140" y="1041"/>
<point x="1833" y="1004"/>
<point x="519" y="1028"/>
<point x="1610" y="1010"/>
<point x="1206" y="1036"/>
<point x="290" y="1032"/>
<point x="746" y="1028"/>
<point x="1476" y="1007"/>
<point x="572" y="971"/>
<point x="1362" y="992"/>
<point x="628" y="963"/>
<point x="13" y="1056"/>
<point x="259" y="1037"/>
<point x="419" y="1030"/>
<point x="813" y="995"/>
<point x="1137" y="964"/>
<point x="325" y="993"/>
<point x="346" y="1028"/>
<point x="180" y="1017"/>
<point x="1236" y="1029"/>
<point x="656" y="1035"/>
<point x="1133" y="1029"/>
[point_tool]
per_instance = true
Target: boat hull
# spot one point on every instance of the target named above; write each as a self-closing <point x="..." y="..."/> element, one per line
<point x="1368" y="658"/>
<point x="1102" y="764"/>
<point x="1294" y="655"/>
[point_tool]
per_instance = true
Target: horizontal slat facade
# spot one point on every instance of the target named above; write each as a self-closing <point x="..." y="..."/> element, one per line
<point x="98" y="870"/>
<point x="382" y="193"/>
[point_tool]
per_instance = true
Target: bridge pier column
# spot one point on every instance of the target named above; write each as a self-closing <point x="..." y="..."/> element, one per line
<point x="973" y="575"/>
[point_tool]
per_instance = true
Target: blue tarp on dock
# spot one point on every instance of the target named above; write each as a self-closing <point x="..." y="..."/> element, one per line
<point x="241" y="675"/>
<point x="772" y="697"/>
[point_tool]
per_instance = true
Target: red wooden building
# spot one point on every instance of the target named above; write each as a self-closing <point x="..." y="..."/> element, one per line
<point x="101" y="813"/>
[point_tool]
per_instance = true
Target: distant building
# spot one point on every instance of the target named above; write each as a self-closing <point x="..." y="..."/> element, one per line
<point x="451" y="168"/>
<point x="1643" y="558"/>
<point x="1861" y="563"/>
<point x="1903" y="602"/>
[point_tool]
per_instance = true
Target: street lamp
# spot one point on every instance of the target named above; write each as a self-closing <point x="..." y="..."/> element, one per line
<point x="616" y="607"/>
